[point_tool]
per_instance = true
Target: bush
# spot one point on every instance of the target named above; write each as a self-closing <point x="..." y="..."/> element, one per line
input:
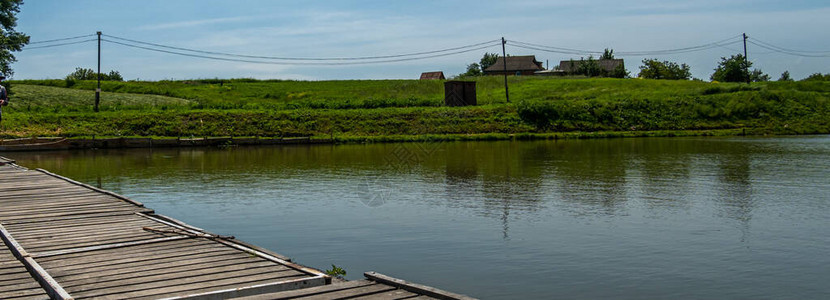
<point x="654" y="69"/>
<point x="736" y="69"/>
<point x="817" y="77"/>
<point x="89" y="74"/>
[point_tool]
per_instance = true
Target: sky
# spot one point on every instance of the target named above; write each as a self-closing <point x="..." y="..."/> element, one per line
<point x="350" y="28"/>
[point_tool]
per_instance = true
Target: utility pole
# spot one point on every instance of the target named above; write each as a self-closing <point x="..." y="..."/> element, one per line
<point x="504" y="60"/>
<point x="98" y="90"/>
<point x="746" y="62"/>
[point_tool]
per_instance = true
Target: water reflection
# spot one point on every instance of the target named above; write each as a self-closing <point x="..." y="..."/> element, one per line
<point x="500" y="180"/>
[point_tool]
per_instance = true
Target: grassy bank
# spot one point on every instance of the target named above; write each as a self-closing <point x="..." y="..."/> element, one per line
<point x="411" y="109"/>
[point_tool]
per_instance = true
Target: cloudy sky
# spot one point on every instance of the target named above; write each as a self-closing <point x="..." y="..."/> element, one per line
<point x="321" y="29"/>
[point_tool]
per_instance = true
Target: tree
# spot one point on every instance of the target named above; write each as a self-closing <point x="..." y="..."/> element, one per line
<point x="817" y="77"/>
<point x="655" y="69"/>
<point x="589" y="67"/>
<point x="618" y="72"/>
<point x="10" y="40"/>
<point x="785" y="76"/>
<point x="732" y="69"/>
<point x="608" y="54"/>
<point x="89" y="74"/>
<point x="758" y="76"/>
<point x="472" y="70"/>
<point x="488" y="60"/>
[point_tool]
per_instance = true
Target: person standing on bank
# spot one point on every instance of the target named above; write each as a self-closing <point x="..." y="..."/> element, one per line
<point x="4" y="98"/>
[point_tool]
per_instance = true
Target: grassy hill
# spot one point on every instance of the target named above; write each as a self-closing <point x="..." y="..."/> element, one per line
<point x="407" y="109"/>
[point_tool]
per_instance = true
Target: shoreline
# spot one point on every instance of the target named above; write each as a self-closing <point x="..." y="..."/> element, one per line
<point x="78" y="143"/>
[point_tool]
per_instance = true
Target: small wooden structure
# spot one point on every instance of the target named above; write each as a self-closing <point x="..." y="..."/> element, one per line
<point x="460" y="93"/>
<point x="516" y="65"/>
<point x="437" y="75"/>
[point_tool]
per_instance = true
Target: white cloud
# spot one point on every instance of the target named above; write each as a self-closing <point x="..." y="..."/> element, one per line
<point x="195" y="23"/>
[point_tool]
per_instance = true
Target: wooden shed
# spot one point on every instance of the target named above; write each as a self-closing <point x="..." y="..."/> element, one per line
<point x="437" y="75"/>
<point x="460" y="93"/>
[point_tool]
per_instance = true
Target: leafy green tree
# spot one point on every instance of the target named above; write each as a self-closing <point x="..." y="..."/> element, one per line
<point x="785" y="76"/>
<point x="655" y="69"/>
<point x="487" y="60"/>
<point x="817" y="77"/>
<point x="89" y="74"/>
<point x="589" y="67"/>
<point x="10" y="40"/>
<point x="618" y="72"/>
<point x="758" y="76"/>
<point x="732" y="69"/>
<point x="607" y="54"/>
<point x="472" y="70"/>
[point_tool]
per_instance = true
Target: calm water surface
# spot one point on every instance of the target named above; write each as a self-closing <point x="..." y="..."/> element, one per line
<point x="680" y="218"/>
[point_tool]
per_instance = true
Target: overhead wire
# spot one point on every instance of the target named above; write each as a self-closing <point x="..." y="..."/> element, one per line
<point x="720" y="43"/>
<point x="302" y="58"/>
<point x="58" y="45"/>
<point x="61" y="39"/>
<point x="480" y="47"/>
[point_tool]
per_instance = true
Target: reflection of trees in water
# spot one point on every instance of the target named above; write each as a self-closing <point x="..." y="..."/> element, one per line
<point x="498" y="180"/>
<point x="592" y="176"/>
<point x="665" y="171"/>
<point x="734" y="186"/>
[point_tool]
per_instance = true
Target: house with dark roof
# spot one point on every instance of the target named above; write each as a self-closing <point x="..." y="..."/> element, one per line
<point x="438" y="75"/>
<point x="569" y="67"/>
<point x="516" y="65"/>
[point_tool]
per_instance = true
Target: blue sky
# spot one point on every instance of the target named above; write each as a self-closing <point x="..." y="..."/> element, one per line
<point x="370" y="28"/>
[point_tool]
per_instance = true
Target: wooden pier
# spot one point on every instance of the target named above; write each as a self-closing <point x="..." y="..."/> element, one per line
<point x="63" y="239"/>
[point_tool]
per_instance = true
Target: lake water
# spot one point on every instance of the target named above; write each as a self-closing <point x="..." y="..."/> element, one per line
<point x="668" y="218"/>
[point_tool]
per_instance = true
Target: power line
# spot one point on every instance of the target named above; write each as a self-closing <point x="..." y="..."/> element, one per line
<point x="58" y="45"/>
<point x="304" y="58"/>
<point x="788" y="52"/>
<point x="721" y="43"/>
<point x="61" y="39"/>
<point x="491" y="44"/>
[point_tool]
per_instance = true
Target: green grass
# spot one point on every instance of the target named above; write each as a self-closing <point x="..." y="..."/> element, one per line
<point x="397" y="110"/>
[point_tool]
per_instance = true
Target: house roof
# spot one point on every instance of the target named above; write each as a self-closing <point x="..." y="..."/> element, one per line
<point x="516" y="63"/>
<point x="432" y="75"/>
<point x="606" y="64"/>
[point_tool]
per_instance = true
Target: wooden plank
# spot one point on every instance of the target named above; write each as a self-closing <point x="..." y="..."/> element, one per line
<point x="159" y="262"/>
<point x="63" y="210"/>
<point x="23" y="283"/>
<point x="206" y="275"/>
<point x="75" y="229"/>
<point x="136" y="250"/>
<point x="117" y="257"/>
<point x="106" y="276"/>
<point x="390" y="295"/>
<point x="22" y="293"/>
<point x="32" y="220"/>
<point x="99" y="236"/>
<point x="254" y="288"/>
<point x="414" y="287"/>
<point x="58" y="215"/>
<point x="311" y="291"/>
<point x="350" y="293"/>
<point x="186" y="284"/>
<point x="68" y="223"/>
<point x="108" y="246"/>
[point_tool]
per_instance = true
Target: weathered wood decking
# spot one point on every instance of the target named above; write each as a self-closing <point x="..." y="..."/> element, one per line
<point x="67" y="240"/>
